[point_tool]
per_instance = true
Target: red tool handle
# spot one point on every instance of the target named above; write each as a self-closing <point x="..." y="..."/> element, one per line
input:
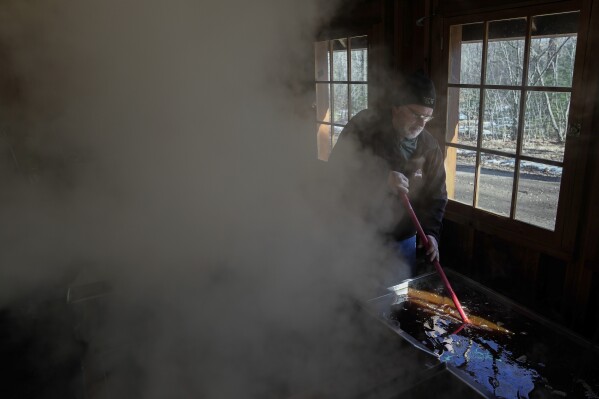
<point x="424" y="239"/>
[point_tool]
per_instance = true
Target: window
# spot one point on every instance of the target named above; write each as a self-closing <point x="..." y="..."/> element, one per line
<point x="509" y="90"/>
<point x="341" y="67"/>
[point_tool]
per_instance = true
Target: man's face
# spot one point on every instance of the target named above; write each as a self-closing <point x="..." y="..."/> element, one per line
<point x="409" y="120"/>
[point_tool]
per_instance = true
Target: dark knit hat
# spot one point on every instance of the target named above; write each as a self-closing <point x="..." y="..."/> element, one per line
<point x="416" y="88"/>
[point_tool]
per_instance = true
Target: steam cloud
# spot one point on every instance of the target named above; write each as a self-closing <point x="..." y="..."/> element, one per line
<point x="168" y="147"/>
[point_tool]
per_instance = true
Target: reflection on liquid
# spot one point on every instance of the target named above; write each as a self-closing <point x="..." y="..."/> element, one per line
<point x="483" y="358"/>
<point x="504" y="353"/>
<point x="437" y="304"/>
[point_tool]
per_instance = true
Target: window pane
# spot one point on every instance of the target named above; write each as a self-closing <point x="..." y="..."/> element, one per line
<point x="467" y="114"/>
<point x="505" y="52"/>
<point x="340" y="59"/>
<point x="340" y="111"/>
<point x="464" y="176"/>
<point x="466" y="54"/>
<point x="336" y="131"/>
<point x="538" y="193"/>
<point x="321" y="55"/>
<point x="359" y="98"/>
<point x="495" y="184"/>
<point x="470" y="67"/>
<point x="500" y="124"/>
<point x="359" y="59"/>
<point x="323" y="104"/>
<point x="333" y="91"/>
<point x="546" y="121"/>
<point x="552" y="50"/>
<point x="323" y="141"/>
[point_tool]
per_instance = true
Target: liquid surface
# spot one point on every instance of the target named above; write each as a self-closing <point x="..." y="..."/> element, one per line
<point x="506" y="352"/>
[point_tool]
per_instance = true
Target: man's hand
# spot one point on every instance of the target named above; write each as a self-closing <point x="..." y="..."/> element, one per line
<point x="398" y="182"/>
<point x="432" y="252"/>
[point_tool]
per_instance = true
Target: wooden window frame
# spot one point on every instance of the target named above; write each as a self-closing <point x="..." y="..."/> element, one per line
<point x="560" y="242"/>
<point x="331" y="123"/>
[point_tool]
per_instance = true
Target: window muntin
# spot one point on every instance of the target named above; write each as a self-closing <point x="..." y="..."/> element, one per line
<point x="509" y="90"/>
<point x="341" y="73"/>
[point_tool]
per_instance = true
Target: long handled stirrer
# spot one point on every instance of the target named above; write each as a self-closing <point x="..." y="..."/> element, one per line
<point x="424" y="239"/>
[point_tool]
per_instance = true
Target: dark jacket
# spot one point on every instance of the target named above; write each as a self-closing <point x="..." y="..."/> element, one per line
<point x="372" y="133"/>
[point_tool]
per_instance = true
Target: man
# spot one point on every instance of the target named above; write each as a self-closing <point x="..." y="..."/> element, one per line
<point x="408" y="160"/>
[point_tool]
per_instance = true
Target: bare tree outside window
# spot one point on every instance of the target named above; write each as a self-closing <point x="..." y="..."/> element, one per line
<point x="509" y="90"/>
